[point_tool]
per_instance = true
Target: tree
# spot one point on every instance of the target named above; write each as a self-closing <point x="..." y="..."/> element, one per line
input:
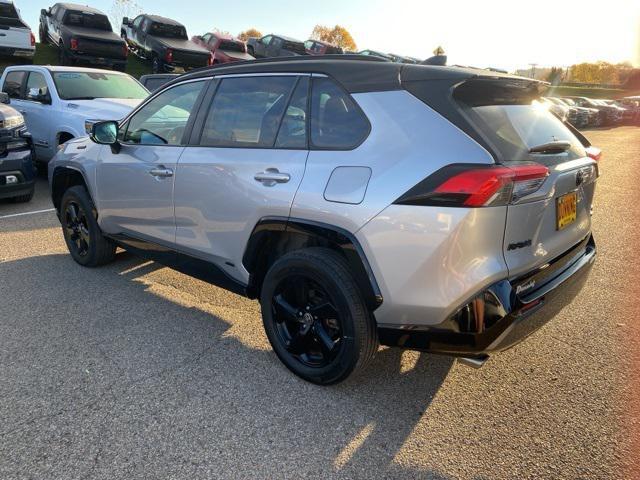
<point x="555" y="75"/>
<point x="338" y="36"/>
<point x="252" y="32"/>
<point x="120" y="9"/>
<point x="438" y="50"/>
<point x="600" y="72"/>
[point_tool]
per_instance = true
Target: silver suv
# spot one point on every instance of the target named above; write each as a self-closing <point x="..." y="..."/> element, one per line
<point x="362" y="202"/>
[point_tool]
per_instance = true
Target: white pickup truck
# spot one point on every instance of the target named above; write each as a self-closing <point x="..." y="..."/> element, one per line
<point x="61" y="103"/>
<point x="16" y="38"/>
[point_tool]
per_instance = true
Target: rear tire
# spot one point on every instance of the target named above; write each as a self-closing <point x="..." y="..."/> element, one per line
<point x="315" y="317"/>
<point x="85" y="241"/>
<point x="64" y="57"/>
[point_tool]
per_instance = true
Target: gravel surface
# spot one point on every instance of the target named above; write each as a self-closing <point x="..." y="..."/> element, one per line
<point x="136" y="371"/>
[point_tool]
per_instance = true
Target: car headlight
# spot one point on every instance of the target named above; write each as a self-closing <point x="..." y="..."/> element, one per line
<point x="13" y="121"/>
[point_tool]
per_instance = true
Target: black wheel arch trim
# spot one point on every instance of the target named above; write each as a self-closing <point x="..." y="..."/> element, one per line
<point x="67" y="171"/>
<point x="275" y="228"/>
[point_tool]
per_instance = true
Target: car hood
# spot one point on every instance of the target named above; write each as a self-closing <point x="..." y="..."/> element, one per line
<point x="103" y="108"/>
<point x="180" y="44"/>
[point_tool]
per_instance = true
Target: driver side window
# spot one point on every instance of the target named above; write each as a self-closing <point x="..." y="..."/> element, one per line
<point x="138" y="21"/>
<point x="164" y="119"/>
<point x="265" y="40"/>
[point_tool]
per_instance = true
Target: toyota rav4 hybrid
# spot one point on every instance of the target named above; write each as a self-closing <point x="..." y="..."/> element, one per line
<point x="363" y="202"/>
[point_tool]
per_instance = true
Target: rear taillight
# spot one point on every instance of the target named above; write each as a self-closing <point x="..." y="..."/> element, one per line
<point x="475" y="186"/>
<point x="168" y="56"/>
<point x="125" y="50"/>
<point x="594" y="152"/>
<point x="33" y="39"/>
<point x="211" y="59"/>
<point x="73" y="44"/>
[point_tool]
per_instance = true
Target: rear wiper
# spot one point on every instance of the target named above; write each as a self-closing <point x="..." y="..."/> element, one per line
<point x="551" y="147"/>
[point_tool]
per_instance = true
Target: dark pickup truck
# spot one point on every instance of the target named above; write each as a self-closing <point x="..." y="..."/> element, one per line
<point x="164" y="42"/>
<point x="82" y="34"/>
<point x="275" y="46"/>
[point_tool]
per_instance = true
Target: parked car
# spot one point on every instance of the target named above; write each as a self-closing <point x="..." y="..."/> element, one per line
<point x="401" y="59"/>
<point x="225" y="48"/>
<point x="17" y="39"/>
<point x="584" y="117"/>
<point x="462" y="242"/>
<point x="17" y="172"/>
<point x="275" y="46"/>
<point x="82" y="34"/>
<point x="632" y="103"/>
<point x="607" y="115"/>
<point x="154" y="81"/>
<point x="164" y="42"/>
<point x="373" y="53"/>
<point x="318" y="47"/>
<point x="61" y="103"/>
<point x="627" y="114"/>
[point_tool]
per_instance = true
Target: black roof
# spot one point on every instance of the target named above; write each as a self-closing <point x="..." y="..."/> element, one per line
<point x="80" y="8"/>
<point x="163" y="20"/>
<point x="355" y="73"/>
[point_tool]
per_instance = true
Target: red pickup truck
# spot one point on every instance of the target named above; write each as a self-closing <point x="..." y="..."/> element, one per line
<point x="225" y="48"/>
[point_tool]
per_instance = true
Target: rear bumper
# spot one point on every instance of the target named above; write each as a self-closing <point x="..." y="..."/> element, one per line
<point x="523" y="314"/>
<point x="17" y="52"/>
<point x="96" y="59"/>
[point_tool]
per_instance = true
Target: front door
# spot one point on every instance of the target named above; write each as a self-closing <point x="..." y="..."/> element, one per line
<point x="37" y="110"/>
<point x="135" y="184"/>
<point x="245" y="162"/>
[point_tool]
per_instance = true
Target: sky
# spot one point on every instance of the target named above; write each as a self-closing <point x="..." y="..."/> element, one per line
<point x="483" y="33"/>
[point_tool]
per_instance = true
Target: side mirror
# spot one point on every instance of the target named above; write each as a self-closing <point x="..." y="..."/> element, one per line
<point x="4" y="98"/>
<point x="44" y="12"/>
<point x="38" y="95"/>
<point x="106" y="133"/>
<point x="125" y="21"/>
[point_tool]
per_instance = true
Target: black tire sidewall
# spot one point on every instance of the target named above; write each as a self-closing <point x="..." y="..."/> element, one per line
<point x="80" y="196"/>
<point x="348" y="356"/>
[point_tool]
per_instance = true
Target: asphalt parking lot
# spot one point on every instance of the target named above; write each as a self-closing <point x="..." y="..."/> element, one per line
<point x="136" y="371"/>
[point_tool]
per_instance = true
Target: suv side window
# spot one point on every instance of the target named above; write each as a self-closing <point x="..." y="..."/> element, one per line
<point x="164" y="119"/>
<point x="337" y="123"/>
<point x="293" y="130"/>
<point x="247" y="111"/>
<point x="138" y="21"/>
<point x="266" y="40"/>
<point x="13" y="83"/>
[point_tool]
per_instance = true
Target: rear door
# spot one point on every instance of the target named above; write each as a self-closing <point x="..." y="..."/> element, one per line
<point x="543" y="225"/>
<point x="245" y="161"/>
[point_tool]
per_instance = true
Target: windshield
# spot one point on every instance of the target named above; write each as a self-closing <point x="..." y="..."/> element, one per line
<point x="168" y="31"/>
<point x="87" y="20"/>
<point x="90" y="85"/>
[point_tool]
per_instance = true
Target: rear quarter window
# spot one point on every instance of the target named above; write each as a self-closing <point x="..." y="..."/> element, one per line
<point x="337" y="123"/>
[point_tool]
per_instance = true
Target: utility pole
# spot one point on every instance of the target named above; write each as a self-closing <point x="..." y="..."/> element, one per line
<point x="533" y="69"/>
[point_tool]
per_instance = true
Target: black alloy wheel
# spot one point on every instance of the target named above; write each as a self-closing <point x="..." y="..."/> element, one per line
<point x="307" y="321"/>
<point x="77" y="228"/>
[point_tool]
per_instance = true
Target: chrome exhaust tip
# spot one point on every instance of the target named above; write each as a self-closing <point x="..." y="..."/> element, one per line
<point x="475" y="362"/>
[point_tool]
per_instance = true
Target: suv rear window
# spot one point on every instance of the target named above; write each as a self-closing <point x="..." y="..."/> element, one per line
<point x="337" y="123"/>
<point x="231" y="46"/>
<point x="167" y="31"/>
<point x="514" y="129"/>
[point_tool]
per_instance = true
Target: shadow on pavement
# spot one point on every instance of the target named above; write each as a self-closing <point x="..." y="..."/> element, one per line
<point x="107" y="373"/>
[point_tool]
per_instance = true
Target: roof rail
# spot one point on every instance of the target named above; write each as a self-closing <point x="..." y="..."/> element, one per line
<point x="296" y="58"/>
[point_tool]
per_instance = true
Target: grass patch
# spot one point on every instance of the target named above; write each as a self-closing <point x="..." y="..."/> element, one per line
<point x="591" y="92"/>
<point x="48" y="55"/>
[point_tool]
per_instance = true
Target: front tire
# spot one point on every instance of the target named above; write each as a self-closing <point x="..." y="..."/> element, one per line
<point x="83" y="236"/>
<point x="315" y="317"/>
<point x="24" y="198"/>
